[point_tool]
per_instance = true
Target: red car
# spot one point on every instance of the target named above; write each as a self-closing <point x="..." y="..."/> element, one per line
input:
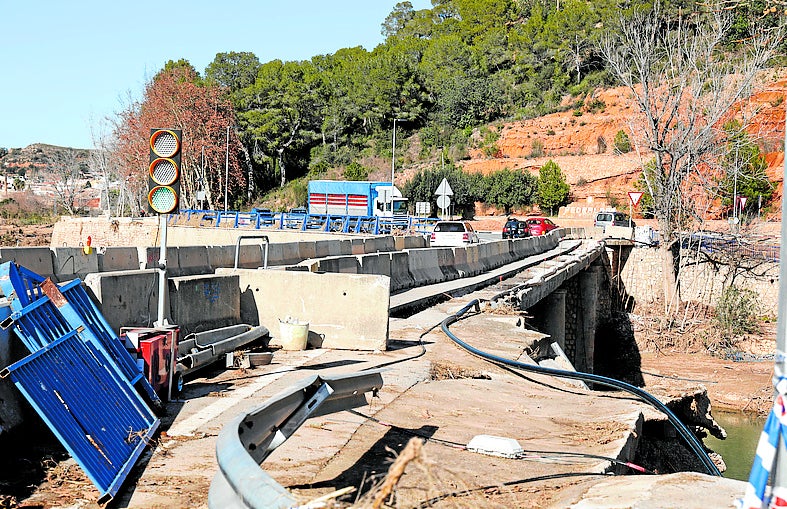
<point x="540" y="225"/>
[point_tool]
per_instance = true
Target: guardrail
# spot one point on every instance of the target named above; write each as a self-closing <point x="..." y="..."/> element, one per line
<point x="246" y="441"/>
<point x="374" y="225"/>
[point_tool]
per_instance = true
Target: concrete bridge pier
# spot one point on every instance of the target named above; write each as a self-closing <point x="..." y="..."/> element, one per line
<point x="589" y="286"/>
<point x="550" y="316"/>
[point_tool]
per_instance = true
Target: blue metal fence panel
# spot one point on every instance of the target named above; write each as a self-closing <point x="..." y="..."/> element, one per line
<point x="96" y="415"/>
<point x="44" y="312"/>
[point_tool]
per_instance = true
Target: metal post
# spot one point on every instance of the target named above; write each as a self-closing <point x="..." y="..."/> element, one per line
<point x="779" y="474"/>
<point x="162" y="272"/>
<point x="393" y="162"/>
<point x="226" y="168"/>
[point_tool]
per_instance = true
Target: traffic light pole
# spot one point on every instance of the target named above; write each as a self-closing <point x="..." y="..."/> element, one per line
<point x="163" y="289"/>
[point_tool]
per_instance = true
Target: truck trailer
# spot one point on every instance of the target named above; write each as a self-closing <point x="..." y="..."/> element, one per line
<point x="355" y="198"/>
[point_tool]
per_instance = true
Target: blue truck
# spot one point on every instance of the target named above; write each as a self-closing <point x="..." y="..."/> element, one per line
<point x="356" y="198"/>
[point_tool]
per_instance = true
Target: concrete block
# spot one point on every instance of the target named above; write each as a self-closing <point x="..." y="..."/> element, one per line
<point x="445" y="260"/>
<point x="460" y="262"/>
<point x="357" y="246"/>
<point x="378" y="244"/>
<point x="400" y="271"/>
<point x="473" y="256"/>
<point x="126" y="298"/>
<point x="222" y="256"/>
<point x="193" y="260"/>
<point x="415" y="242"/>
<point x="338" y="264"/>
<point x="323" y="300"/>
<point x="72" y="262"/>
<point x="325" y="248"/>
<point x="377" y="263"/>
<point x="250" y="256"/>
<point x="284" y="253"/>
<point x="118" y="258"/>
<point x="424" y="266"/>
<point x="11" y="350"/>
<point x="398" y="243"/>
<point x="307" y="250"/>
<point x="204" y="302"/>
<point x="149" y="257"/>
<point x="37" y="259"/>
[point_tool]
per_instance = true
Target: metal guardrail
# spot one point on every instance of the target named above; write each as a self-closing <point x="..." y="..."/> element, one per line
<point x="237" y="248"/>
<point x="246" y="441"/>
<point x="374" y="225"/>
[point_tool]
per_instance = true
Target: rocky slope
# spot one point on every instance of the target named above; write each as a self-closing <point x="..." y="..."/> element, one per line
<point x="581" y="142"/>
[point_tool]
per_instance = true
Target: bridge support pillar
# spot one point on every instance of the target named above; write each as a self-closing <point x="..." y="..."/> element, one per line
<point x="550" y="316"/>
<point x="589" y="281"/>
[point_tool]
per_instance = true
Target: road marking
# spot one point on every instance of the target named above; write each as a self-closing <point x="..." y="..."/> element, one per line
<point x="189" y="425"/>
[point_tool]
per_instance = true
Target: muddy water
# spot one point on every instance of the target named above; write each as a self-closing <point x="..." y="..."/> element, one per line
<point x="743" y="433"/>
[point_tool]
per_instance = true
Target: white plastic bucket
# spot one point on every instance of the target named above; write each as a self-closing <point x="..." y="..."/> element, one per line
<point x="294" y="334"/>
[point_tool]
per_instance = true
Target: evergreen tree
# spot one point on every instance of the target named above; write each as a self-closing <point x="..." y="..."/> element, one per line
<point x="552" y="187"/>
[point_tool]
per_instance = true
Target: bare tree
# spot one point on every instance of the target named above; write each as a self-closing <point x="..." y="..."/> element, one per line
<point x="66" y="177"/>
<point x="684" y="82"/>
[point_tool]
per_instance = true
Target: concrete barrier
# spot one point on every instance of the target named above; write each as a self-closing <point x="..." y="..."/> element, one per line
<point x="460" y="262"/>
<point x="193" y="260"/>
<point x="379" y="244"/>
<point x="307" y="250"/>
<point x="400" y="271"/>
<point x="149" y="256"/>
<point x="37" y="259"/>
<point x="72" y="262"/>
<point x="445" y="260"/>
<point x="224" y="256"/>
<point x="284" y="253"/>
<point x="11" y="350"/>
<point x="325" y="248"/>
<point x="375" y="263"/>
<point x="204" y="302"/>
<point x="126" y="298"/>
<point x="415" y="242"/>
<point x="356" y="246"/>
<point x="118" y="258"/>
<point x="338" y="264"/>
<point x="424" y="266"/>
<point x="344" y="311"/>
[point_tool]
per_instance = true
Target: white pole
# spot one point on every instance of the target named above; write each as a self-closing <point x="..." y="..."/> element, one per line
<point x="226" y="168"/>
<point x="393" y="163"/>
<point x="162" y="272"/>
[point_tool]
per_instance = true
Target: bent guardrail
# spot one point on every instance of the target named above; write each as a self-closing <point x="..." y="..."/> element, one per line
<point x="247" y="440"/>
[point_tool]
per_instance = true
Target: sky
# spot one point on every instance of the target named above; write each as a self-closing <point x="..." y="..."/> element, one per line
<point x="67" y="65"/>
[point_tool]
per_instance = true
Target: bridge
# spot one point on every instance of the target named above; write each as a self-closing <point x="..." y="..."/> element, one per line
<point x="349" y="288"/>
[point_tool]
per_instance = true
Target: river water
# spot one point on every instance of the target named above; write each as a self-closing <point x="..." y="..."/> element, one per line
<point x="743" y="433"/>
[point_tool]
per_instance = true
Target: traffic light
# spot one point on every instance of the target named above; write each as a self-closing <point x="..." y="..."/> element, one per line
<point x="164" y="170"/>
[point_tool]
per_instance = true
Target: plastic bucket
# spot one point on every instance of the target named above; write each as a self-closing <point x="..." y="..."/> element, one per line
<point x="294" y="334"/>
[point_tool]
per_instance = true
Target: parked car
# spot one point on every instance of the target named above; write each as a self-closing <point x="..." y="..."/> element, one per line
<point x="515" y="229"/>
<point x="612" y="218"/>
<point x="298" y="211"/>
<point x="453" y="233"/>
<point x="539" y="225"/>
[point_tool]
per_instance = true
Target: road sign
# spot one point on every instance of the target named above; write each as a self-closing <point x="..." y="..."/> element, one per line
<point x="635" y="196"/>
<point x="443" y="201"/>
<point x="444" y="189"/>
<point x="423" y="207"/>
<point x="742" y="200"/>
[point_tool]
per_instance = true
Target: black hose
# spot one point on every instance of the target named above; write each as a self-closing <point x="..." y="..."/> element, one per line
<point x="692" y="441"/>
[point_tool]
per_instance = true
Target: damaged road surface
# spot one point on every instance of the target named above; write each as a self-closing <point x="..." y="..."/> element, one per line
<point x="573" y="445"/>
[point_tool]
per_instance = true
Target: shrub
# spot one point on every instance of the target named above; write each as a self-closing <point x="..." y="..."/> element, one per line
<point x="355" y="171"/>
<point x="537" y="148"/>
<point x="736" y="312"/>
<point x="622" y="142"/>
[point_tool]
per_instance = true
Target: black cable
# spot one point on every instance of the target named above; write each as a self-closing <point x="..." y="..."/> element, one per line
<point x="681" y="428"/>
<point x="524" y="455"/>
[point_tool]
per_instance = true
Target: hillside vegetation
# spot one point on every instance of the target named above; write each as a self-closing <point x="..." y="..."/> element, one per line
<point x="476" y="85"/>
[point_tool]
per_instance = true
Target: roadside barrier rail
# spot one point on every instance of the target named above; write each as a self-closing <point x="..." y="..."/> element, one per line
<point x="246" y="441"/>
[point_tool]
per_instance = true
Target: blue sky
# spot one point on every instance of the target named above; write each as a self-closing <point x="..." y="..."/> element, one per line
<point x="64" y="66"/>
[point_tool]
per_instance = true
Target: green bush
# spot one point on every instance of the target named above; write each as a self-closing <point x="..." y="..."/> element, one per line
<point x="622" y="142"/>
<point x="736" y="312"/>
<point x="356" y="171"/>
